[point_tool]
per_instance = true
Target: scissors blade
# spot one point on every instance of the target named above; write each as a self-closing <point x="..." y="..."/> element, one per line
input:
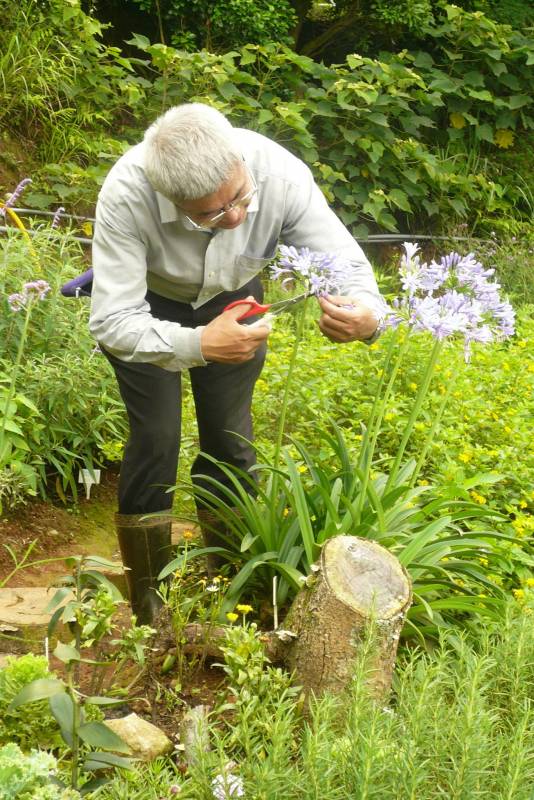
<point x="287" y="305"/>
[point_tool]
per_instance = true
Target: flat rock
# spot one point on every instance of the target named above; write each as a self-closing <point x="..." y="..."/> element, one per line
<point x="145" y="740"/>
<point x="25" y="606"/>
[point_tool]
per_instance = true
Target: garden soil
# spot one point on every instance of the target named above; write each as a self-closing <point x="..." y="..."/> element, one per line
<point x="55" y="531"/>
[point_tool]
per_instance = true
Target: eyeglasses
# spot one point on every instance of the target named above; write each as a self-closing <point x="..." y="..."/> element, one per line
<point x="240" y="202"/>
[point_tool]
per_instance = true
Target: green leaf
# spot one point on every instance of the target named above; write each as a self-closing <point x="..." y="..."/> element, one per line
<point x="519" y="100"/>
<point x="484" y="132"/>
<point x="40" y="689"/>
<point x="66" y="653"/>
<point x="62" y="708"/>
<point x="102" y="760"/>
<point x="96" y="734"/>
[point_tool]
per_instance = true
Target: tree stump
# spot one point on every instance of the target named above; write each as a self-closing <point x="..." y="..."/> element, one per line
<point x="356" y="584"/>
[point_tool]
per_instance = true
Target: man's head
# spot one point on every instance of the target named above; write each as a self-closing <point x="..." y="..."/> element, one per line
<point x="191" y="152"/>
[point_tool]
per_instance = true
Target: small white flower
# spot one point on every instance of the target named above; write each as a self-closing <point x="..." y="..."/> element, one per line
<point x="227" y="785"/>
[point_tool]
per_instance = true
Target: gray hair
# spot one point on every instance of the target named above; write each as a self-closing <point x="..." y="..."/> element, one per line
<point x="191" y="150"/>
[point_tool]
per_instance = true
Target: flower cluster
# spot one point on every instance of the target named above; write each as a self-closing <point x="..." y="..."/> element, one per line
<point x="34" y="290"/>
<point x="321" y="273"/>
<point x="452" y="296"/>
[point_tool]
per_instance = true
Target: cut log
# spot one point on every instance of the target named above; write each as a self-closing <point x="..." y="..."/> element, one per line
<point x="357" y="586"/>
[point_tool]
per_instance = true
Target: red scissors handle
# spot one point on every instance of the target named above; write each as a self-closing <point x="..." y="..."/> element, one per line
<point x="253" y="308"/>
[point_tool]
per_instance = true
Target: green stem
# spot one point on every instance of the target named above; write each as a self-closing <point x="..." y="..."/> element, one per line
<point x="377" y="414"/>
<point x="418" y="402"/>
<point x="431" y="436"/>
<point x="75" y="727"/>
<point x="285" y="400"/>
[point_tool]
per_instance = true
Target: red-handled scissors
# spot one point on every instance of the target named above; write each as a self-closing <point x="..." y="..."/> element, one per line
<point x="254" y="308"/>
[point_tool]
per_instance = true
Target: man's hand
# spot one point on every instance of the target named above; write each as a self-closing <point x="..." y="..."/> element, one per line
<point x="345" y="319"/>
<point x="226" y="341"/>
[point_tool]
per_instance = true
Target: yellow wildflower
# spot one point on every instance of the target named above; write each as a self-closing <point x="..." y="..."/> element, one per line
<point x="457" y="120"/>
<point x="423" y="482"/>
<point x="302" y="469"/>
<point x="504" y="138"/>
<point x="413" y="386"/>
<point x="465" y="457"/>
<point x="530" y="583"/>
<point x="519" y="594"/>
<point x="244" y="609"/>
<point x="188" y="534"/>
<point x="285" y="512"/>
<point x="389" y="416"/>
<point x="478" y="498"/>
<point x="231" y="617"/>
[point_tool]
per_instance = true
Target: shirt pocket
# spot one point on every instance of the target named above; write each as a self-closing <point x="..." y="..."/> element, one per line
<point x="247" y="267"/>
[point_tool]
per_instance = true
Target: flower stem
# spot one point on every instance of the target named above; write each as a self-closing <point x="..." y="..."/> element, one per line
<point x="287" y="390"/>
<point x="416" y="408"/>
<point x="13" y="383"/>
<point x="431" y="436"/>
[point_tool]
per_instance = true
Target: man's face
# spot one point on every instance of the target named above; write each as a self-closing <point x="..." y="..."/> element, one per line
<point x="227" y="207"/>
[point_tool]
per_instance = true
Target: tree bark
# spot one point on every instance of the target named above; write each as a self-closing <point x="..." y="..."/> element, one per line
<point x="358" y="589"/>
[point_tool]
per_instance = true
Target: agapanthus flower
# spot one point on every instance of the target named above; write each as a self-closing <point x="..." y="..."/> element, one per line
<point x="319" y="273"/>
<point x="451" y="296"/>
<point x="14" y="196"/>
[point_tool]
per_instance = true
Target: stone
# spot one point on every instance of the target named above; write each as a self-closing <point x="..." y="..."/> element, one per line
<point x="146" y="741"/>
<point x="25" y="606"/>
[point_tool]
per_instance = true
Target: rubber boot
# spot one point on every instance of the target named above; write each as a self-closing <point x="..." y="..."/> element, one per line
<point x="145" y="545"/>
<point x="212" y="528"/>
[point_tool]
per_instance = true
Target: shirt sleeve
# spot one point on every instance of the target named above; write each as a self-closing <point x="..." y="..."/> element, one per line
<point x="120" y="317"/>
<point x="310" y="222"/>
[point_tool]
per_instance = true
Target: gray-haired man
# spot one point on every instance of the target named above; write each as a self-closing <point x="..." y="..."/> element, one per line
<point x="186" y="221"/>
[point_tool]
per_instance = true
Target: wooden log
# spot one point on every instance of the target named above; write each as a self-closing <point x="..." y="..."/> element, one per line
<point x="356" y="583"/>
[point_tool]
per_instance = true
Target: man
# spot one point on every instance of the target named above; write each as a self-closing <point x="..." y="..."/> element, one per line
<point x="185" y="222"/>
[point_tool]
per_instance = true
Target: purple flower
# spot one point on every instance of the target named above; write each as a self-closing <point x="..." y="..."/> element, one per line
<point x="57" y="217"/>
<point x="321" y="273"/>
<point x="451" y="296"/>
<point x="32" y="290"/>
<point x="17" y="301"/>
<point x="12" y="199"/>
<point x="39" y="288"/>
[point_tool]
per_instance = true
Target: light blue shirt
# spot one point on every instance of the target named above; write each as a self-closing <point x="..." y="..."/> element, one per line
<point x="143" y="241"/>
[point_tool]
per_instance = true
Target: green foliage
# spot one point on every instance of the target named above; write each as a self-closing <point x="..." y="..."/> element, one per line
<point x="459" y="724"/>
<point x="87" y="602"/>
<point x="58" y="77"/>
<point x="223" y="24"/>
<point x="64" y="407"/>
<point x="37" y="727"/>
<point x="29" y="777"/>
<point x="380" y="132"/>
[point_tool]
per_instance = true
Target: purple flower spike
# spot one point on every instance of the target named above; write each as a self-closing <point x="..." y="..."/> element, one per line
<point x="12" y="199"/>
<point x="57" y="217"/>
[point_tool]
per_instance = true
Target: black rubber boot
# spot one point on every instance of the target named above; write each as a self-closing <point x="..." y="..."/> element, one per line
<point x="212" y="528"/>
<point x="145" y="545"/>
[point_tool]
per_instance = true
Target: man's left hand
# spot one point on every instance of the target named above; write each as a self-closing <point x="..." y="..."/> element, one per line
<point x="345" y="319"/>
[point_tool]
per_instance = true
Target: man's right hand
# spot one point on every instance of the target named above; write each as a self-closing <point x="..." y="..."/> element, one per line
<point x="226" y="341"/>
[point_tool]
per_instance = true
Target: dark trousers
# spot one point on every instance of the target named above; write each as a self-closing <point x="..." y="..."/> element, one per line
<point x="222" y="394"/>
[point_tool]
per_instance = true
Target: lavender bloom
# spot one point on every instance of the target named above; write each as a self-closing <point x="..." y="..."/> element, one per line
<point x="57" y="217"/>
<point x="12" y="199"/>
<point x="32" y="290"/>
<point x="17" y="301"/>
<point x="38" y="288"/>
<point x="451" y="296"/>
<point x="321" y="273"/>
